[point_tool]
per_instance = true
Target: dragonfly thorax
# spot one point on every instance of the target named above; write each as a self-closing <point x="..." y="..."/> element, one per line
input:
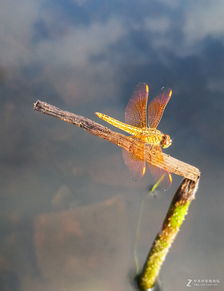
<point x="150" y="136"/>
<point x="154" y="137"/>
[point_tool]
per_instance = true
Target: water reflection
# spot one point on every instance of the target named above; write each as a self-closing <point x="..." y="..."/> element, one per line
<point x="68" y="206"/>
<point x="83" y="247"/>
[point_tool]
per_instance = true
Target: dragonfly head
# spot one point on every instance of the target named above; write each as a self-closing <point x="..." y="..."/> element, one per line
<point x="166" y="141"/>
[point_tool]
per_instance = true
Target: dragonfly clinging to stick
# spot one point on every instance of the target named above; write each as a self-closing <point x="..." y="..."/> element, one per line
<point x="141" y="121"/>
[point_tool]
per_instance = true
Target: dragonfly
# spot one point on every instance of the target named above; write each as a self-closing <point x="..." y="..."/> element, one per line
<point x="141" y="121"/>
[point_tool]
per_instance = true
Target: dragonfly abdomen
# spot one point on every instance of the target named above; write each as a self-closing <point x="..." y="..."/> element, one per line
<point x="123" y="126"/>
<point x="148" y="135"/>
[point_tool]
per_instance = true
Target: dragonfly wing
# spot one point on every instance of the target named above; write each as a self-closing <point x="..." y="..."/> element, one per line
<point x="135" y="111"/>
<point x="157" y="106"/>
<point x="136" y="166"/>
<point x="162" y="178"/>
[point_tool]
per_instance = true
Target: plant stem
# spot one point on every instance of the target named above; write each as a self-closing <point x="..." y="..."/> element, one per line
<point x="164" y="239"/>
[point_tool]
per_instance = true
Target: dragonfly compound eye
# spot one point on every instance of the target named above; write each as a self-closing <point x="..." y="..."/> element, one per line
<point x="166" y="141"/>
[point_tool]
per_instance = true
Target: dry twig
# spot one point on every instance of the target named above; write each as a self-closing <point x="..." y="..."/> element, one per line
<point x="130" y="144"/>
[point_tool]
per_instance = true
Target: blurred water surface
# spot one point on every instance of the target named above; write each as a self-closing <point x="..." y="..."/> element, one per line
<point x="68" y="205"/>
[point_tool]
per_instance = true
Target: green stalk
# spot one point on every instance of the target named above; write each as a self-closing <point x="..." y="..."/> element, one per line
<point x="163" y="241"/>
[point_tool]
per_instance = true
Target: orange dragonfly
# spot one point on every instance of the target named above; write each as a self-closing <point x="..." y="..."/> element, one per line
<point x="141" y="121"/>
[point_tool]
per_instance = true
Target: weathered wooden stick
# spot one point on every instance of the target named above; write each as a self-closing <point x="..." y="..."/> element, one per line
<point x="164" y="239"/>
<point x="130" y="144"/>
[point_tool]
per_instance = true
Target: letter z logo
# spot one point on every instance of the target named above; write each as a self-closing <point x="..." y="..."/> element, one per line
<point x="189" y="283"/>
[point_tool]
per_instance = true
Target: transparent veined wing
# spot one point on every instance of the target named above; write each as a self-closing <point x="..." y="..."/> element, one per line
<point x="162" y="178"/>
<point x="135" y="165"/>
<point x="136" y="110"/>
<point x="157" y="106"/>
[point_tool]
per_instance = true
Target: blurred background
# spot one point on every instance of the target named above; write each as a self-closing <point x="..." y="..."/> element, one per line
<point x="68" y="204"/>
